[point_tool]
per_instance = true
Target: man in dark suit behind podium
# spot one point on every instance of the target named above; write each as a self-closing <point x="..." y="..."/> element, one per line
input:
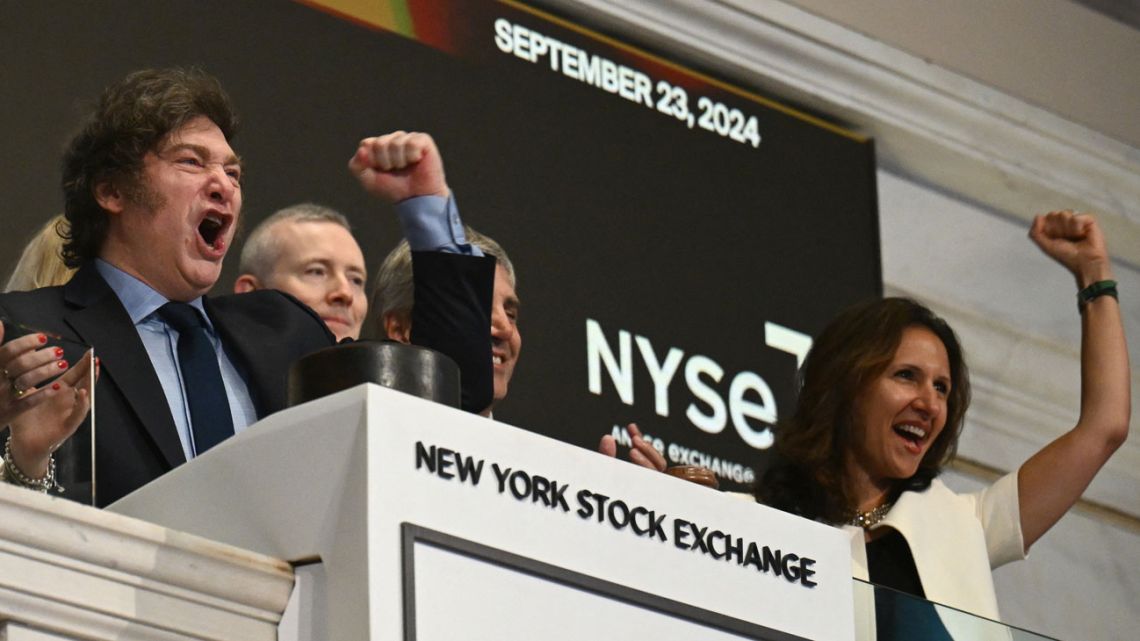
<point x="153" y="194"/>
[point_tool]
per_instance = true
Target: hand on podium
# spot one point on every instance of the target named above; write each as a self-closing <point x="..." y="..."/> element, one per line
<point x="640" y="453"/>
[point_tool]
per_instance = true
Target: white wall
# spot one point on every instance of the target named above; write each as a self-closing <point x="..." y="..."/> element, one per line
<point x="1080" y="580"/>
<point x="1057" y="54"/>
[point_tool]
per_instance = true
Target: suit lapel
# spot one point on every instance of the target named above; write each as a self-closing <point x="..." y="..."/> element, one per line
<point x="236" y="338"/>
<point x="100" y="320"/>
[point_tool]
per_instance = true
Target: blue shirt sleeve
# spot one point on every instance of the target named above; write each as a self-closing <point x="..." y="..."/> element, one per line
<point x="431" y="223"/>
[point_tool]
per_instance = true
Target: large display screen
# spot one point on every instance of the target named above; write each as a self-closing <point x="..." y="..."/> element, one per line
<point x="677" y="238"/>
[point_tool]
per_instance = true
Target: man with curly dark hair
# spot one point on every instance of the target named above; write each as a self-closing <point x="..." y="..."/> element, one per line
<point x="153" y="193"/>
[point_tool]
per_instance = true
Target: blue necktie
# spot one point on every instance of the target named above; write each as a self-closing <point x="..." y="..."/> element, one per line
<point x="210" y="418"/>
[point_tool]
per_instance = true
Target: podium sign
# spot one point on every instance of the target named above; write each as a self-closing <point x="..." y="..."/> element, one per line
<point x="432" y="523"/>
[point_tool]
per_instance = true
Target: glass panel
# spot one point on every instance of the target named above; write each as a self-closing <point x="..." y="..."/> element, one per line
<point x="75" y="459"/>
<point x="883" y="614"/>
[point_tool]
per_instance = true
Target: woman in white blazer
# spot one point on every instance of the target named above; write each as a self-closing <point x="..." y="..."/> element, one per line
<point x="883" y="395"/>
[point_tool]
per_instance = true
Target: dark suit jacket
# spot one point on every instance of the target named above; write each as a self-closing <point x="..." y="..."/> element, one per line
<point x="452" y="315"/>
<point x="263" y="333"/>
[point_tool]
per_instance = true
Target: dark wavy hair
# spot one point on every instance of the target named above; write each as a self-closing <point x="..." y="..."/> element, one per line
<point x="132" y="117"/>
<point x="808" y="477"/>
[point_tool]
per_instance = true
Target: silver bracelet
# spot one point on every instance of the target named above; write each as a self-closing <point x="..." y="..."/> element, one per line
<point x="12" y="474"/>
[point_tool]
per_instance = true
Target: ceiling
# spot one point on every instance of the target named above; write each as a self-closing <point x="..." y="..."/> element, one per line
<point x="1080" y="60"/>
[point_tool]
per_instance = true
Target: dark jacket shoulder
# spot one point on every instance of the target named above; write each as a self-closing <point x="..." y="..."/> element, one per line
<point x="271" y="311"/>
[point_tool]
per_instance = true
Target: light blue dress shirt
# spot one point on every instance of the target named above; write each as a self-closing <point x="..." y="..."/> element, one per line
<point x="431" y="223"/>
<point x="161" y="343"/>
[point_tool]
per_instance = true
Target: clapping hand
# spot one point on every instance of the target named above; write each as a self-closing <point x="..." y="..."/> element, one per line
<point x="41" y="415"/>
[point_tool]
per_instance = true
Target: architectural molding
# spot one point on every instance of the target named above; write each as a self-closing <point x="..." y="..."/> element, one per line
<point x="86" y="573"/>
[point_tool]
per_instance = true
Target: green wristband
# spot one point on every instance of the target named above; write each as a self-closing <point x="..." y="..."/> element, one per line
<point x="1099" y="288"/>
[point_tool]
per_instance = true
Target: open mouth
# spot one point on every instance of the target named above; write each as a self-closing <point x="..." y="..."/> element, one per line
<point x="912" y="433"/>
<point x="497" y="358"/>
<point x="211" y="229"/>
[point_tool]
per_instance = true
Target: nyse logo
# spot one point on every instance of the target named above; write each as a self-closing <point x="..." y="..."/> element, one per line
<point x="699" y="371"/>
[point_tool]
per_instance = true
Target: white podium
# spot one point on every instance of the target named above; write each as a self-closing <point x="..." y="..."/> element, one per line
<point x="428" y="523"/>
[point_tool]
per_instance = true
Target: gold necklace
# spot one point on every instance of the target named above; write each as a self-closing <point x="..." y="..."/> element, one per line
<point x="867" y="520"/>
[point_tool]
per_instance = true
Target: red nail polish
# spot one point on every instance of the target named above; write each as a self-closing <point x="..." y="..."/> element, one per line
<point x="55" y="386"/>
<point x="43" y="339"/>
<point x="62" y="364"/>
<point x="59" y="352"/>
